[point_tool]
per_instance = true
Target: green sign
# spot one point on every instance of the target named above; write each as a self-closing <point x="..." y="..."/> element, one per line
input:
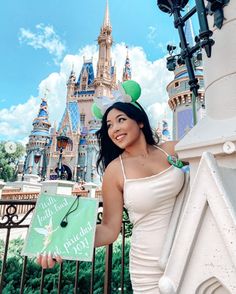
<point x="63" y="225"/>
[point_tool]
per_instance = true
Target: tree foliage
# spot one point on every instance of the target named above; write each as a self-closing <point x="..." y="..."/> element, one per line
<point x="13" y="272"/>
<point x="8" y="161"/>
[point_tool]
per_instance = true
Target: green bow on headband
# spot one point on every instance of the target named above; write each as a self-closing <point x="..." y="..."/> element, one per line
<point x="128" y="92"/>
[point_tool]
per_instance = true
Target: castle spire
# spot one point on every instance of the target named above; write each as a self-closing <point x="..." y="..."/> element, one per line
<point x="43" y="112"/>
<point x="103" y="81"/>
<point x="106" y="22"/>
<point x="127" y="68"/>
<point x="71" y="85"/>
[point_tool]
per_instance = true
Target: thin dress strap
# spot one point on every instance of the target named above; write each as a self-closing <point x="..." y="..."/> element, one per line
<point x="161" y="150"/>
<point x="122" y="167"/>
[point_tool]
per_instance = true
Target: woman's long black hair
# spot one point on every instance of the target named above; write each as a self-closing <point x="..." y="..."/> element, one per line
<point x="108" y="150"/>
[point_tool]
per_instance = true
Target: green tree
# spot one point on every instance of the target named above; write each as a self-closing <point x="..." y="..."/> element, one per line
<point x="14" y="265"/>
<point x="8" y="161"/>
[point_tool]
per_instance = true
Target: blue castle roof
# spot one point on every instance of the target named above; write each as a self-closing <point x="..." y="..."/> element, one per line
<point x="72" y="109"/>
<point x="87" y="66"/>
<point x="43" y="112"/>
<point x="41" y="117"/>
<point x="74" y="114"/>
<point x="40" y="133"/>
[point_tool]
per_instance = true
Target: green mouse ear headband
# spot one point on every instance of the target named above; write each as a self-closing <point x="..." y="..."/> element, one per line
<point x="128" y="91"/>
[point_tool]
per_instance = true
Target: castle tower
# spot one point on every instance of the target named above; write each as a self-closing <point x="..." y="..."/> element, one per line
<point x="126" y="69"/>
<point x="71" y="86"/>
<point x="69" y="126"/>
<point x="180" y="96"/>
<point x="103" y="81"/>
<point x="35" y="161"/>
<point x="84" y="92"/>
<point x="77" y="122"/>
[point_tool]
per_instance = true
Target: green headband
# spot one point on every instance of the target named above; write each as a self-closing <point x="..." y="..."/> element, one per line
<point x="128" y="92"/>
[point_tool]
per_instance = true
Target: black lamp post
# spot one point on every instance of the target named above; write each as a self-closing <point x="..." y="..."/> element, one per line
<point x="203" y="41"/>
<point x="61" y="144"/>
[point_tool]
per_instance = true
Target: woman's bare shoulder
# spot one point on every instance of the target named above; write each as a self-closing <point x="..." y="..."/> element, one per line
<point x="169" y="146"/>
<point x="113" y="166"/>
<point x="113" y="172"/>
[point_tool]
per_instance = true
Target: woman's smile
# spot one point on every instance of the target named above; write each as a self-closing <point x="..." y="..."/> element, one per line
<point x="122" y="130"/>
<point x="120" y="137"/>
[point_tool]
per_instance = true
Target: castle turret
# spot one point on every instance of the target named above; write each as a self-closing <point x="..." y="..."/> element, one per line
<point x="71" y="86"/>
<point x="84" y="92"/>
<point x="127" y="68"/>
<point x="35" y="162"/>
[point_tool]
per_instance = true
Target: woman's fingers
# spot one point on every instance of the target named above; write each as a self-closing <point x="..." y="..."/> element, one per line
<point x="50" y="261"/>
<point x="58" y="258"/>
<point x="44" y="261"/>
<point x="39" y="258"/>
<point x="47" y="261"/>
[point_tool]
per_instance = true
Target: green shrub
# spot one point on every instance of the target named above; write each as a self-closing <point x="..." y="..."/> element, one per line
<point x="13" y="272"/>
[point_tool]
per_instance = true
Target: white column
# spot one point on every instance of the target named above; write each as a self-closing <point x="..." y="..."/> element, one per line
<point x="59" y="187"/>
<point x="216" y="132"/>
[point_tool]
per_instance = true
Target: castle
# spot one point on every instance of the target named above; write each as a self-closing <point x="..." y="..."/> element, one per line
<point x="77" y="122"/>
<point x="79" y="125"/>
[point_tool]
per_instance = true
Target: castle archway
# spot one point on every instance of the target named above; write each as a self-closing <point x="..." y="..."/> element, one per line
<point x="66" y="171"/>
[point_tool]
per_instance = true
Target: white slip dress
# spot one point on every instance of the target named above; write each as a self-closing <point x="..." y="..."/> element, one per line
<point x="150" y="203"/>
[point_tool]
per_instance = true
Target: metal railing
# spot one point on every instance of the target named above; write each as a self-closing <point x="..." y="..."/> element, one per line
<point x="11" y="218"/>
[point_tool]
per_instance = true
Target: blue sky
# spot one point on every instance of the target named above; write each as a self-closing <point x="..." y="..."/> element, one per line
<point x="42" y="40"/>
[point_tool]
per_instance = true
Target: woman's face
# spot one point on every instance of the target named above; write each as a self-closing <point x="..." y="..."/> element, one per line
<point x="122" y="130"/>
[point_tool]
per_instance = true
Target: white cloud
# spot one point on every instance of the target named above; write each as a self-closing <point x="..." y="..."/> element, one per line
<point x="152" y="34"/>
<point x="16" y="122"/>
<point x="46" y="38"/>
<point x="153" y="77"/>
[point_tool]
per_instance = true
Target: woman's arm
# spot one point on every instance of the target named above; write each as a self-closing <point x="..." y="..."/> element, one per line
<point x="108" y="231"/>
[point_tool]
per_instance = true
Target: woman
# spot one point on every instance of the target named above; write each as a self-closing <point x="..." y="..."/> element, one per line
<point x="139" y="176"/>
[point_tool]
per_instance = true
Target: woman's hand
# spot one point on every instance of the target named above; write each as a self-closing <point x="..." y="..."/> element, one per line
<point x="47" y="260"/>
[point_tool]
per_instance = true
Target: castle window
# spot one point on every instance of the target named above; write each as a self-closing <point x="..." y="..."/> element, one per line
<point x="82" y="119"/>
<point x="83" y="87"/>
<point x="176" y="84"/>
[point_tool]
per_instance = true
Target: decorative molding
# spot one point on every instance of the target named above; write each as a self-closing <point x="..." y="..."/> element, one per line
<point x="212" y="190"/>
<point x="210" y="286"/>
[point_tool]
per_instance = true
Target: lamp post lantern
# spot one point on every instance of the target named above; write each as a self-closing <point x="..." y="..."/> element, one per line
<point x="202" y="41"/>
<point x="61" y="144"/>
